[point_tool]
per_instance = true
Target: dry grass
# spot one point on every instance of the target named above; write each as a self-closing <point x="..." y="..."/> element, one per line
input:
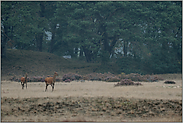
<point x="46" y="64"/>
<point x="40" y="118"/>
<point x="87" y="89"/>
<point x="154" y="90"/>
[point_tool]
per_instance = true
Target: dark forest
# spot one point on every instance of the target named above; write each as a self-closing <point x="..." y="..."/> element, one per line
<point x="139" y="37"/>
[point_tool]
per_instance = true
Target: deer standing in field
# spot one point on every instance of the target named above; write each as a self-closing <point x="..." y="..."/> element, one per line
<point x="50" y="81"/>
<point x="24" y="81"/>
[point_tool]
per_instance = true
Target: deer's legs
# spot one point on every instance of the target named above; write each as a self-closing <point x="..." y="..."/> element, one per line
<point x="26" y="85"/>
<point x="46" y="87"/>
<point x="52" y="86"/>
<point x="22" y="85"/>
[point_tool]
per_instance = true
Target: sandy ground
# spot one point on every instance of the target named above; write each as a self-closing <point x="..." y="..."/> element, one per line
<point x="149" y="90"/>
<point x="85" y="90"/>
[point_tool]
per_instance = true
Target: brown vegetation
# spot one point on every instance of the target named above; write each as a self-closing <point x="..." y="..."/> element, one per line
<point x="71" y="108"/>
<point x="91" y="101"/>
<point x="169" y="82"/>
<point x="126" y="82"/>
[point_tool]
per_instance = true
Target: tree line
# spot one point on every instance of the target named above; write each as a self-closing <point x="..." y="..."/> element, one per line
<point x="138" y="36"/>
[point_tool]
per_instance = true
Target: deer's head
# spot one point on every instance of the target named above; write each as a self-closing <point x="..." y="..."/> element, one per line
<point x="56" y="74"/>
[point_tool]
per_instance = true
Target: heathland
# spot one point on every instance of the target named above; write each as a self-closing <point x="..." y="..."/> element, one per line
<point x="82" y="100"/>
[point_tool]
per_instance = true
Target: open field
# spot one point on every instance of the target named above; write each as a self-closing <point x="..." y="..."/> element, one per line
<point x="91" y="101"/>
<point x="149" y="90"/>
<point x="82" y="101"/>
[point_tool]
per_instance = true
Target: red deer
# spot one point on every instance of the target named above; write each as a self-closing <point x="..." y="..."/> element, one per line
<point x="24" y="81"/>
<point x="50" y="81"/>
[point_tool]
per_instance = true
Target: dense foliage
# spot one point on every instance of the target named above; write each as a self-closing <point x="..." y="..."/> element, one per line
<point x="143" y="37"/>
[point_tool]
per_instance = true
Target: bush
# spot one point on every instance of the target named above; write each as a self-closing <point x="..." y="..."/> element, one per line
<point x="126" y="82"/>
<point x="109" y="77"/>
<point x="58" y="79"/>
<point x="112" y="79"/>
<point x="169" y="82"/>
<point x="138" y="77"/>
<point x="71" y="77"/>
<point x="34" y="79"/>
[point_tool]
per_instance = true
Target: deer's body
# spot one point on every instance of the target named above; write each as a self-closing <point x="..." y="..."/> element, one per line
<point x="24" y="81"/>
<point x="50" y="81"/>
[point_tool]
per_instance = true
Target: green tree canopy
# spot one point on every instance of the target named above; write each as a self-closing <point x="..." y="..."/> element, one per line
<point x="148" y="34"/>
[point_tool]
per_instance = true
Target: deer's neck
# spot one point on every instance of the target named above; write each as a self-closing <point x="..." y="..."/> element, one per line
<point x="25" y="77"/>
<point x="54" y="77"/>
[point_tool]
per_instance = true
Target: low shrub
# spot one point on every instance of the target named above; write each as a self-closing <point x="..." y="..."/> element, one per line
<point x="169" y="82"/>
<point x="58" y="79"/>
<point x="126" y="82"/>
<point x="94" y="77"/>
<point x="67" y="80"/>
<point x="38" y="79"/>
<point x="112" y="79"/>
<point x="109" y="77"/>
<point x="71" y="77"/>
<point x="138" y="77"/>
<point x="34" y="79"/>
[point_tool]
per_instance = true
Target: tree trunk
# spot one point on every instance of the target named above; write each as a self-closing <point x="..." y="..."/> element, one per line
<point x="39" y="37"/>
<point x="125" y="48"/>
<point x="76" y="52"/>
<point x="52" y="42"/>
<point x="3" y="47"/>
<point x="105" y="48"/>
<point x="4" y="41"/>
<point x="39" y="40"/>
<point x="88" y="54"/>
<point x="81" y="52"/>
